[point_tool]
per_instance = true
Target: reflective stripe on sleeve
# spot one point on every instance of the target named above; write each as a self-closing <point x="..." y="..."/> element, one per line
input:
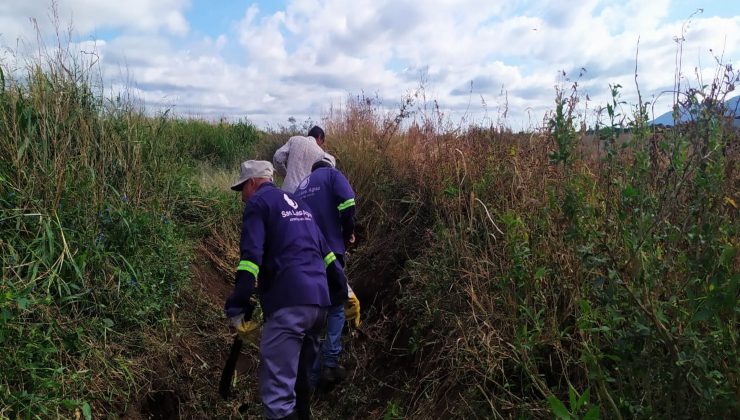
<point x="246" y="265"/>
<point x="330" y="258"/>
<point x="347" y="204"/>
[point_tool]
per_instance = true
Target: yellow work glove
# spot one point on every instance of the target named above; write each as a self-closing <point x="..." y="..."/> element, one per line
<point x="249" y="331"/>
<point x="352" y="310"/>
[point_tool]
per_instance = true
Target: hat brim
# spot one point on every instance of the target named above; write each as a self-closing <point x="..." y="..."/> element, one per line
<point x="238" y="185"/>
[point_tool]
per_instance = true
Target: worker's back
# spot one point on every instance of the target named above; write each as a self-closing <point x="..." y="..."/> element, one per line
<point x="294" y="160"/>
<point x="331" y="199"/>
<point x="292" y="262"/>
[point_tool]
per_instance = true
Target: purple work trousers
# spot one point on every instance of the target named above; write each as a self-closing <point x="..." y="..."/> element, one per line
<point x="289" y="345"/>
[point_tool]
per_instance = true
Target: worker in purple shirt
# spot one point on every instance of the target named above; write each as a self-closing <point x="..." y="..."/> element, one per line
<point x="331" y="199"/>
<point x="299" y="279"/>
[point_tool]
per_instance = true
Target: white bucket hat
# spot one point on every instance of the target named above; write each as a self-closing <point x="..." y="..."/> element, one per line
<point x="327" y="158"/>
<point x="253" y="169"/>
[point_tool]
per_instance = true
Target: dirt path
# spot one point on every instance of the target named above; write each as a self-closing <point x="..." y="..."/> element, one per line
<point x="186" y="367"/>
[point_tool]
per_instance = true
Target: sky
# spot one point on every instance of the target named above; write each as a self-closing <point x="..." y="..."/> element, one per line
<point x="480" y="60"/>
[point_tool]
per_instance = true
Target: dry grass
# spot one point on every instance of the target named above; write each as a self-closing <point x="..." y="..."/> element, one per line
<point x="474" y="273"/>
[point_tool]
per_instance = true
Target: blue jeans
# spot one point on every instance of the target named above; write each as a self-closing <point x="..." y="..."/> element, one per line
<point x="331" y="348"/>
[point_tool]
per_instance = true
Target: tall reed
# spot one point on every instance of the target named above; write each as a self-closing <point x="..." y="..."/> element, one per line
<point x="546" y="277"/>
<point x="99" y="212"/>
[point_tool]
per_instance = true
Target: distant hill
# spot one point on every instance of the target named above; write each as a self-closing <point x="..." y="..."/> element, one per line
<point x="732" y="105"/>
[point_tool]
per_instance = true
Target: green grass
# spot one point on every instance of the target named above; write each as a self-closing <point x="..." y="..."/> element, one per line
<point x="501" y="275"/>
<point x="100" y="209"/>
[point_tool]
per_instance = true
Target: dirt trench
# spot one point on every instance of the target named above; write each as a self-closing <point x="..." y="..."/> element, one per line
<point x="187" y="367"/>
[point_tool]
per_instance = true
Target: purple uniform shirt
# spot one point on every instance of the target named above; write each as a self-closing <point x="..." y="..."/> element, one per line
<point x="283" y="247"/>
<point x="332" y="201"/>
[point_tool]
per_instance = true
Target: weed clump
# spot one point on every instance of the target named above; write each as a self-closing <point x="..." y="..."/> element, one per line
<point x="99" y="211"/>
<point x="556" y="272"/>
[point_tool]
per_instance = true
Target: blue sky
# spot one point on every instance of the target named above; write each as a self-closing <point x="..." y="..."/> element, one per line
<point x="270" y="60"/>
<point x="211" y="18"/>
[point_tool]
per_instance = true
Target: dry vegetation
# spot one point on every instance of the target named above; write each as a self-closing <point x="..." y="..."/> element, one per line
<point x="529" y="275"/>
<point x="502" y="275"/>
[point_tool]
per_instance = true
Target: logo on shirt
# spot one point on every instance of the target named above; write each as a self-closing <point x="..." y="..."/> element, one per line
<point x="290" y="202"/>
<point x="297" y="215"/>
<point x="304" y="183"/>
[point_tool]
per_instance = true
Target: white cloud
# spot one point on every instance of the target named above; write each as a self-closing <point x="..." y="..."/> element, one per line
<point x="88" y="16"/>
<point x="263" y="40"/>
<point x="296" y="61"/>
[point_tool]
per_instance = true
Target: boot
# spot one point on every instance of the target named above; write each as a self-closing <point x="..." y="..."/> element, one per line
<point x="334" y="374"/>
<point x="291" y="416"/>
